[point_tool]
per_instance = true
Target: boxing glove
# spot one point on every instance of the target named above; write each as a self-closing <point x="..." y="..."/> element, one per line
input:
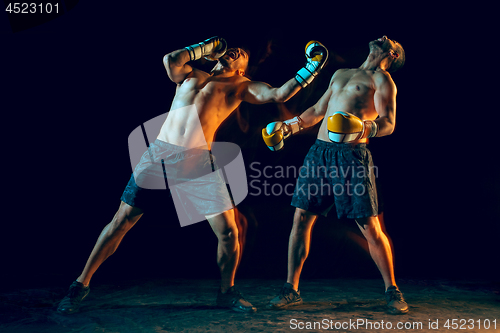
<point x="316" y="55"/>
<point x="276" y="132"/>
<point x="211" y="49"/>
<point x="346" y="127"/>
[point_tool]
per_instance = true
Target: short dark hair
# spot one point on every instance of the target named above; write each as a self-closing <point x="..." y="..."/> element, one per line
<point x="248" y="53"/>
<point x="246" y="49"/>
<point x="398" y="62"/>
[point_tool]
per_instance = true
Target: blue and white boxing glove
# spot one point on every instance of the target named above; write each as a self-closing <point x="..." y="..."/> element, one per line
<point x="316" y="54"/>
<point x="211" y="49"/>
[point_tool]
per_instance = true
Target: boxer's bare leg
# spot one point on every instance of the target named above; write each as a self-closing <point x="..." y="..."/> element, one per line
<point x="381" y="252"/>
<point x="107" y="243"/>
<point x="109" y="239"/>
<point x="228" y="249"/>
<point x="299" y="244"/>
<point x="298" y="250"/>
<point x="379" y="246"/>
<point x="228" y="256"/>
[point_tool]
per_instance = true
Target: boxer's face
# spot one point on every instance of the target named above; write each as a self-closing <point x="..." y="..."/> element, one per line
<point x="235" y="58"/>
<point x="383" y="43"/>
<point x="390" y="48"/>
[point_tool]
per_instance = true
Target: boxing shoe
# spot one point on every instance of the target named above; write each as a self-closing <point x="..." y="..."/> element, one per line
<point x="71" y="302"/>
<point x="234" y="300"/>
<point x="286" y="298"/>
<point x="395" y="301"/>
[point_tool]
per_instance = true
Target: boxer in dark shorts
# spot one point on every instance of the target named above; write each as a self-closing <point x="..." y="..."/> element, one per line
<point x="190" y="174"/>
<point x="337" y="175"/>
<point x="359" y="104"/>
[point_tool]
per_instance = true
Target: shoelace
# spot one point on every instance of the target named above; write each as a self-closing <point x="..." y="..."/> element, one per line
<point x="395" y="295"/>
<point x="287" y="294"/>
<point x="75" y="291"/>
<point x="236" y="297"/>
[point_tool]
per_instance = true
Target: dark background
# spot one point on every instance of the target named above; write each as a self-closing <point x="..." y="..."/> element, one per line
<point x="76" y="86"/>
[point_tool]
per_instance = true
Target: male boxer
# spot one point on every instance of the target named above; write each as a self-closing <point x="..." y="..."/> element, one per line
<point x="201" y="103"/>
<point x="359" y="103"/>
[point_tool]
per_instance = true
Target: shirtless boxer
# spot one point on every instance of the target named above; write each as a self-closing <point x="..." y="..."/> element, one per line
<point x="201" y="103"/>
<point x="366" y="97"/>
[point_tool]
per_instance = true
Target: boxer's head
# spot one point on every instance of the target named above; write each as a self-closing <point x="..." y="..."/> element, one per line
<point x="235" y="59"/>
<point x="393" y="49"/>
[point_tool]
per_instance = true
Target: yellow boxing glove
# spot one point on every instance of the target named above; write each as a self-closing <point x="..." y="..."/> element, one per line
<point x="346" y="127"/>
<point x="275" y="133"/>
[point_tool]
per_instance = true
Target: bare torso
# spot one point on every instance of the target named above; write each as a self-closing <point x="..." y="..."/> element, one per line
<point x="201" y="103"/>
<point x="351" y="90"/>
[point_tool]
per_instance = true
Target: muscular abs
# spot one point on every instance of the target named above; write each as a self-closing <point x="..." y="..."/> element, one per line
<point x="351" y="91"/>
<point x="201" y="103"/>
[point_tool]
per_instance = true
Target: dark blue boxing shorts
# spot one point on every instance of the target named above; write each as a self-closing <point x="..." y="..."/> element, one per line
<point x="339" y="175"/>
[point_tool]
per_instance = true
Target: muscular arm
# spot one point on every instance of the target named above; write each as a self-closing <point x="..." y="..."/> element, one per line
<point x="316" y="113"/>
<point x="255" y="92"/>
<point x="176" y="65"/>
<point x="385" y="104"/>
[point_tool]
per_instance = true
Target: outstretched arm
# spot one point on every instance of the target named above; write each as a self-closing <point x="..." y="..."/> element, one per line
<point x="316" y="113"/>
<point x="275" y="132"/>
<point x="260" y="92"/>
<point x="255" y="92"/>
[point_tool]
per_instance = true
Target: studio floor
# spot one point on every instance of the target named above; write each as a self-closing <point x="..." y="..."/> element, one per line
<point x="184" y="305"/>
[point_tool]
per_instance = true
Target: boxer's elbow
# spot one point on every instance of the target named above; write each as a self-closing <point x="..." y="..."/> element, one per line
<point x="169" y="68"/>
<point x="389" y="130"/>
<point x="279" y="96"/>
<point x="391" y="125"/>
<point x="272" y="95"/>
<point x="175" y="71"/>
<point x="386" y="127"/>
<point x="280" y="99"/>
<point x="168" y="61"/>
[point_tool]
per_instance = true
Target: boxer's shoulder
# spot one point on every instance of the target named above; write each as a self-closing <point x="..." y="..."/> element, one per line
<point x="199" y="74"/>
<point x="383" y="79"/>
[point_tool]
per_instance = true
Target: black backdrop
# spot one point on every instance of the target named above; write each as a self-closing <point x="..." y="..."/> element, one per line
<point x="75" y="87"/>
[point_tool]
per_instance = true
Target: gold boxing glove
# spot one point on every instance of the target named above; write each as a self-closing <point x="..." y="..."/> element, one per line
<point x="275" y="133"/>
<point x="346" y="127"/>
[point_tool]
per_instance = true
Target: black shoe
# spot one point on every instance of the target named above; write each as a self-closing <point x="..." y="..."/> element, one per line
<point x="234" y="300"/>
<point x="395" y="301"/>
<point x="286" y="298"/>
<point x="71" y="303"/>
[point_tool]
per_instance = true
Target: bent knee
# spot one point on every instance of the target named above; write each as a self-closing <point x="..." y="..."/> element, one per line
<point x="372" y="232"/>
<point x="303" y="219"/>
<point x="374" y="237"/>
<point x="126" y="217"/>
<point x="228" y="235"/>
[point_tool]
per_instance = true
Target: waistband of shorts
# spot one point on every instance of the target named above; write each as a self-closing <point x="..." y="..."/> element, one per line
<point x="339" y="146"/>
<point x="176" y="148"/>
